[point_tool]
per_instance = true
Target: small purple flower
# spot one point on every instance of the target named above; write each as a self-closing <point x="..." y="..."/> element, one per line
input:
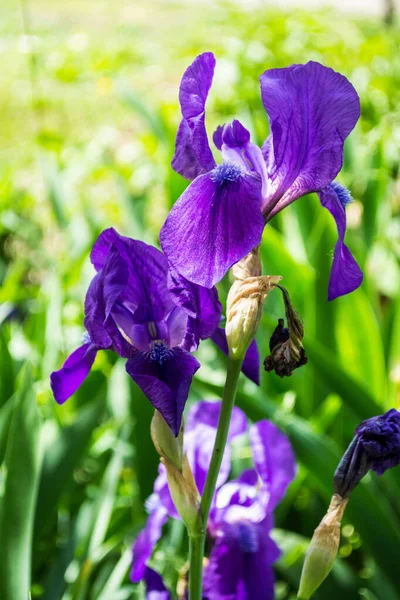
<point x="241" y="518"/>
<point x="155" y="588"/>
<point x="376" y="446"/>
<point x="134" y="308"/>
<point x="221" y="215"/>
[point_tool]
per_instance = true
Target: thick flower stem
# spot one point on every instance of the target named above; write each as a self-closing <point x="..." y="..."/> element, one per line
<point x="197" y="544"/>
<point x="196" y="551"/>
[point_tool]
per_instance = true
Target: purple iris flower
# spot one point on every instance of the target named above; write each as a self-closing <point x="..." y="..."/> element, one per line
<point x="241" y="517"/>
<point x="135" y="307"/>
<point x="376" y="446"/>
<point x="221" y="215"/>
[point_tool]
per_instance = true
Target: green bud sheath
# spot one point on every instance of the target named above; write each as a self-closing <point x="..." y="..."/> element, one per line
<point x="323" y="549"/>
<point x="167" y="445"/>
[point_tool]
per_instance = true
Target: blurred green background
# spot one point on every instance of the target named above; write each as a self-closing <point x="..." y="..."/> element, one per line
<point x="89" y="111"/>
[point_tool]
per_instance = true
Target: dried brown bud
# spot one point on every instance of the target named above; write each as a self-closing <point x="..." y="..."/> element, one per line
<point x="287" y="352"/>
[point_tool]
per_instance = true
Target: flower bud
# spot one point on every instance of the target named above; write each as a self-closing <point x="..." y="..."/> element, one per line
<point x="323" y="549"/>
<point x="245" y="302"/>
<point x="185" y="494"/>
<point x="287" y="352"/>
<point x="244" y="310"/>
<point x="167" y="445"/>
<point x="353" y="466"/>
<point x="181" y="482"/>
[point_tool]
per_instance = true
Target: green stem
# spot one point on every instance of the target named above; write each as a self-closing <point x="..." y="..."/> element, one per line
<point x="197" y="550"/>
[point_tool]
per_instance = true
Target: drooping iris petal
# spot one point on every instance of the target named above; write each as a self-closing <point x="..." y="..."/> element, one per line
<point x="240" y="565"/>
<point x="251" y="363"/>
<point x="223" y="576"/>
<point x="207" y="413"/>
<point x="214" y="224"/>
<point x="258" y="572"/>
<point x="165" y="380"/>
<point x="68" y="379"/>
<point x="273" y="459"/>
<point x="147" y="270"/>
<point x="346" y="275"/>
<point x="193" y="155"/>
<point x="146" y="541"/>
<point x="155" y="588"/>
<point x="311" y="110"/>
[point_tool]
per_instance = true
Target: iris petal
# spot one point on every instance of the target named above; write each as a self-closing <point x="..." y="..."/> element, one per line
<point x="146" y="541"/>
<point x="212" y="226"/>
<point x="193" y="155"/>
<point x="165" y="384"/>
<point x="346" y="275"/>
<point x="72" y="374"/>
<point x="311" y="110"/>
<point x="274" y="460"/>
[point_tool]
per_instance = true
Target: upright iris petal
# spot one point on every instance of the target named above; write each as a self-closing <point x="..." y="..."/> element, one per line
<point x="193" y="155"/>
<point x="311" y="110"/>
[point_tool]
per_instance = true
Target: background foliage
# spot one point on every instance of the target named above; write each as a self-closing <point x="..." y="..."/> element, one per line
<point x="88" y="95"/>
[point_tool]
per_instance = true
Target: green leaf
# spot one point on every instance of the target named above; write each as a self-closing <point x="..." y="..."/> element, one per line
<point x="7" y="369"/>
<point x="5" y="420"/>
<point x="22" y="467"/>
<point x="65" y="449"/>
<point x="356" y="395"/>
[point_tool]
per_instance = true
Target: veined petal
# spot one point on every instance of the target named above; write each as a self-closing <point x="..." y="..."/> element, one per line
<point x="201" y="305"/>
<point x="346" y="275"/>
<point x="215" y="222"/>
<point x="207" y="413"/>
<point x="193" y="155"/>
<point x="166" y="382"/>
<point x="68" y="379"/>
<point x="223" y="576"/>
<point x="147" y="270"/>
<point x="155" y="588"/>
<point x="146" y="541"/>
<point x="237" y="147"/>
<point x="258" y="572"/>
<point x="104" y="291"/>
<point x="273" y="459"/>
<point x="311" y="110"/>
<point x="251" y="363"/>
<point x="200" y="432"/>
<point x="199" y="444"/>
